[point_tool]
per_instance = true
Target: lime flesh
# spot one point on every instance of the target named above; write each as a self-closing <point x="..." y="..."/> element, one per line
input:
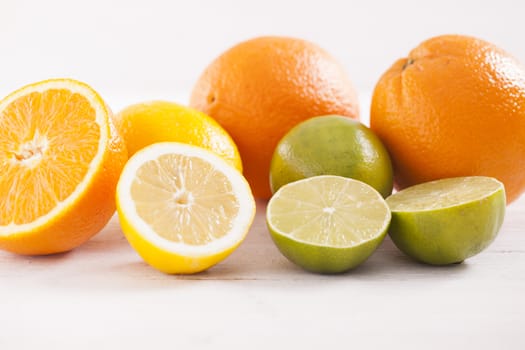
<point x="327" y="224"/>
<point x="447" y="221"/>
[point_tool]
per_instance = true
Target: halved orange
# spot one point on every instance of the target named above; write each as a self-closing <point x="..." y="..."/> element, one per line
<point x="60" y="160"/>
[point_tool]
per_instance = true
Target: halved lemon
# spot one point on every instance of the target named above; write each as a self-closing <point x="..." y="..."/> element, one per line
<point x="183" y="208"/>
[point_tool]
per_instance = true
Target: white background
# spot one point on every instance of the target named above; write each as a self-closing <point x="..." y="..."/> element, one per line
<point x="134" y="50"/>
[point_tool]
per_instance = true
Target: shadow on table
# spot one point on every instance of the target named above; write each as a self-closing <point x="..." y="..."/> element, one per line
<point x="389" y="262"/>
<point x="108" y="262"/>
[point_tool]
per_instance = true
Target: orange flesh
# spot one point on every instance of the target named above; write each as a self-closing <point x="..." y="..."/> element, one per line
<point x="47" y="142"/>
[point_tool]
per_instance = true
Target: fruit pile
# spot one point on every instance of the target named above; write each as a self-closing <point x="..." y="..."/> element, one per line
<point x="274" y="118"/>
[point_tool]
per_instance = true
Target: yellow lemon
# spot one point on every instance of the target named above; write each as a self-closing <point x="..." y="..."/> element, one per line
<point x="183" y="208"/>
<point x="146" y="123"/>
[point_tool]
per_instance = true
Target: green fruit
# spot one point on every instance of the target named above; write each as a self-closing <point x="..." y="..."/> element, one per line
<point x="327" y="224"/>
<point x="447" y="221"/>
<point x="331" y="145"/>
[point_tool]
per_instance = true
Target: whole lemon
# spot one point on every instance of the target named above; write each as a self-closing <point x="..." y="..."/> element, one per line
<point x="146" y="123"/>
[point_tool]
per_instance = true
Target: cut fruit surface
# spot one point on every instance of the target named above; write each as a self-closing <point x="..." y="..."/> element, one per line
<point x="327" y="224"/>
<point x="182" y="208"/>
<point x="60" y="158"/>
<point x="444" y="193"/>
<point x="447" y="221"/>
<point x="33" y="129"/>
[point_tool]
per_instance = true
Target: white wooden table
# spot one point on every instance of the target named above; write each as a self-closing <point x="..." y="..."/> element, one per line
<point x="102" y="295"/>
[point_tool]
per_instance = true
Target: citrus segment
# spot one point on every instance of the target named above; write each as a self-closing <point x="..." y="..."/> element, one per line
<point x="327" y="224"/>
<point x="447" y="221"/>
<point x="183" y="208"/>
<point x="61" y="159"/>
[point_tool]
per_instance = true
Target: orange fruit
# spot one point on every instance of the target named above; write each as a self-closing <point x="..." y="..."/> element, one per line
<point x="454" y="107"/>
<point x="61" y="159"/>
<point x="260" y="88"/>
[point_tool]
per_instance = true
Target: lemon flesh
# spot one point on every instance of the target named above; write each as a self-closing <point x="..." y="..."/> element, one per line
<point x="182" y="208"/>
<point x="447" y="221"/>
<point x="327" y="224"/>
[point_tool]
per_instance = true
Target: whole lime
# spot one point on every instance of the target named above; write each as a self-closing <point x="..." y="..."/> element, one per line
<point x="332" y="145"/>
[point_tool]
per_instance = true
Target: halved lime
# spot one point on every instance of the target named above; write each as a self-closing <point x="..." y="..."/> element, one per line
<point x="327" y="224"/>
<point x="447" y="221"/>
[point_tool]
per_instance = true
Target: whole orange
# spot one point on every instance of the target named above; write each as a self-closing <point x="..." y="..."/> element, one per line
<point x="260" y="88"/>
<point x="454" y="107"/>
